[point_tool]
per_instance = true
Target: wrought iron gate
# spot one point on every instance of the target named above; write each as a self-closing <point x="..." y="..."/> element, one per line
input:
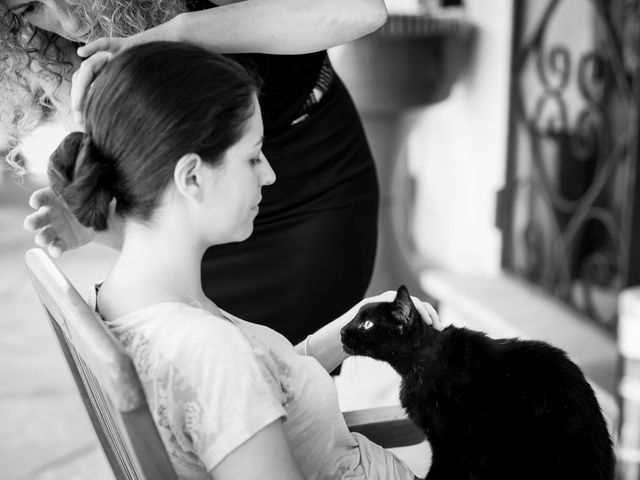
<point x="570" y="208"/>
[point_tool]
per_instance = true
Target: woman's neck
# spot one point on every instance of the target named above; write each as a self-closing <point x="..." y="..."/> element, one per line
<point x="154" y="266"/>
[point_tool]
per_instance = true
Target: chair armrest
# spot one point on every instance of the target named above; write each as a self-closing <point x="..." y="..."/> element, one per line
<point x="389" y="427"/>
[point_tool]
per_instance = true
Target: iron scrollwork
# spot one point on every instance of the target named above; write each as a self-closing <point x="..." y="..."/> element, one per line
<point x="572" y="179"/>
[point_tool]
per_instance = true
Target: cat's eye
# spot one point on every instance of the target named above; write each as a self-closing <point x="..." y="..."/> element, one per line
<point x="366" y="325"/>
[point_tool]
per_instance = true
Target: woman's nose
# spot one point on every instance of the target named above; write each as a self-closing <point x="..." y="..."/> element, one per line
<point x="268" y="175"/>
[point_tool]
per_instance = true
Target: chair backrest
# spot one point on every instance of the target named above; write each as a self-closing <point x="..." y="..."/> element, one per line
<point x="104" y="375"/>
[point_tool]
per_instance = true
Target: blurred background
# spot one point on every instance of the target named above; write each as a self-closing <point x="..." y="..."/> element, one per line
<point x="505" y="134"/>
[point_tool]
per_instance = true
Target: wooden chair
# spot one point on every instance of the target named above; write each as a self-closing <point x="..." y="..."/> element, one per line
<point x="112" y="393"/>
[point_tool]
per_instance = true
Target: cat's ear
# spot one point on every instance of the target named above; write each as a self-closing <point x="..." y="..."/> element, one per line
<point x="402" y="305"/>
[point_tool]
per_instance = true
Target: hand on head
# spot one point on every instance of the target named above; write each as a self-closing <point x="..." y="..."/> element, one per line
<point x="97" y="54"/>
<point x="56" y="228"/>
<point x="426" y="310"/>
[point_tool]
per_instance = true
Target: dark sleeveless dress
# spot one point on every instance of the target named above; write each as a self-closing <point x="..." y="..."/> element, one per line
<point x="311" y="255"/>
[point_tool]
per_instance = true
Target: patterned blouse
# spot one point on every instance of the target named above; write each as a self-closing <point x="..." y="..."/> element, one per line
<point x="212" y="383"/>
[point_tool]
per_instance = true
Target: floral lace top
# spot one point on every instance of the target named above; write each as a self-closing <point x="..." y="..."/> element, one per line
<point x="211" y="383"/>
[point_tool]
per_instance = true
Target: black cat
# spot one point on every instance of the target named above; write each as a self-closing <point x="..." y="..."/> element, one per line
<point x="504" y="409"/>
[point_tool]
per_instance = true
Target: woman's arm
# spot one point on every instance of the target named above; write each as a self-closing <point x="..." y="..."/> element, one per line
<point x="325" y="344"/>
<point x="245" y="26"/>
<point x="265" y="456"/>
<point x="273" y="26"/>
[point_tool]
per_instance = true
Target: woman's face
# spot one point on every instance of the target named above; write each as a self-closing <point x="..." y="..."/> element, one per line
<point x="55" y="16"/>
<point x="234" y="187"/>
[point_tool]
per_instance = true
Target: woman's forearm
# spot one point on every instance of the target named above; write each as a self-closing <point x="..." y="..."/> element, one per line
<point x="325" y="345"/>
<point x="274" y="26"/>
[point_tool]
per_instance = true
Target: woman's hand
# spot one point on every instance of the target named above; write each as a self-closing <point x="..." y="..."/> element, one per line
<point x="58" y="230"/>
<point x="326" y="344"/>
<point x="426" y="310"/>
<point x="98" y="54"/>
<point x="428" y="313"/>
<point x="55" y="227"/>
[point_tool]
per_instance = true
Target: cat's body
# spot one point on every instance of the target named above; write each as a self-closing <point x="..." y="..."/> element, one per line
<point x="491" y="409"/>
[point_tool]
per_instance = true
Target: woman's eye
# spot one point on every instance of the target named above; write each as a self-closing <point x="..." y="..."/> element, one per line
<point x="255" y="161"/>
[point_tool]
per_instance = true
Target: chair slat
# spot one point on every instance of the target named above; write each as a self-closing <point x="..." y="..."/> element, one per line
<point x="95" y="343"/>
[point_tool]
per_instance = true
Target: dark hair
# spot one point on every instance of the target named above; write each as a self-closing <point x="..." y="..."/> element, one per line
<point x="151" y="105"/>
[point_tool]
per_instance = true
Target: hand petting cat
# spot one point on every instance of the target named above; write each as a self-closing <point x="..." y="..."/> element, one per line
<point x="426" y="310"/>
<point x="325" y="345"/>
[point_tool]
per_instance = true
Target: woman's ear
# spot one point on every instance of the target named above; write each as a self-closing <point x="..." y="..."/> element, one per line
<point x="187" y="176"/>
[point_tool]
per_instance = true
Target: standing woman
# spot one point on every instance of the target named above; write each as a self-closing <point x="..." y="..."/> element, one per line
<point x="312" y="251"/>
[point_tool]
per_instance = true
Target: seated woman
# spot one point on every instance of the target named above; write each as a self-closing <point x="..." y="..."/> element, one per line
<point x="172" y="152"/>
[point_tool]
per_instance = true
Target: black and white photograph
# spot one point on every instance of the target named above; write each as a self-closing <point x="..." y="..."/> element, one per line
<point x="320" y="239"/>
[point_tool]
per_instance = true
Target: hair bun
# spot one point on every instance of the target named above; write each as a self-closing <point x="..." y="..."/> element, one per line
<point x="106" y="168"/>
<point x="83" y="178"/>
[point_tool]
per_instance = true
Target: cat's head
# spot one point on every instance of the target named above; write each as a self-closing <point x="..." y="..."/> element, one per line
<point x="384" y="330"/>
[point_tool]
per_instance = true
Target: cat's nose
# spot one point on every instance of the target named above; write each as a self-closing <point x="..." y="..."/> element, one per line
<point x="344" y="334"/>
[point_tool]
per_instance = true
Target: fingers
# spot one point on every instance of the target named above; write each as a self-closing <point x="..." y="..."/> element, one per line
<point x="424" y="313"/>
<point x="82" y="79"/>
<point x="47" y="239"/>
<point x="428" y="313"/>
<point x="37" y="220"/>
<point x="41" y="200"/>
<point x="55" y="249"/>
<point x="41" y="197"/>
<point x="91" y="48"/>
<point x="40" y="222"/>
<point x="437" y="322"/>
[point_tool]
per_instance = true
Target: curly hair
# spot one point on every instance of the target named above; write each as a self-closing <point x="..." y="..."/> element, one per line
<point x="35" y="63"/>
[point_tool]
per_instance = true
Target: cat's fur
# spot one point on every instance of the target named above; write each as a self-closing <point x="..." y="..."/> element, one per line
<point x="504" y="409"/>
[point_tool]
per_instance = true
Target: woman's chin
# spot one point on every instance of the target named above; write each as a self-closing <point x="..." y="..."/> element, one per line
<point x="238" y="234"/>
<point x="246" y="234"/>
